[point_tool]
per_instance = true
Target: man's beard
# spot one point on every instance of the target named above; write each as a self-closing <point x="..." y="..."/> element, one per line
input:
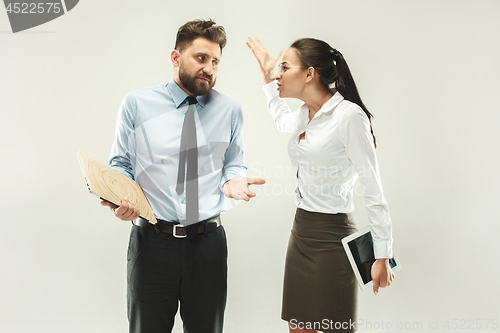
<point x="193" y="85"/>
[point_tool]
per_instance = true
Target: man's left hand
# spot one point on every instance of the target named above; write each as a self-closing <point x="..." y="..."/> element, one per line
<point x="237" y="188"/>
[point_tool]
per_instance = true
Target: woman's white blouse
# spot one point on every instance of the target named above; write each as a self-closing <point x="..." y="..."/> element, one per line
<point x="337" y="149"/>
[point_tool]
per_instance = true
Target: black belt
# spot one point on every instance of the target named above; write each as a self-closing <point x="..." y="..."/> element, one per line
<point x="178" y="230"/>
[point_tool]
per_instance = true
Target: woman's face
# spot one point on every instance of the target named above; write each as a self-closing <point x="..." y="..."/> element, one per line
<point x="291" y="77"/>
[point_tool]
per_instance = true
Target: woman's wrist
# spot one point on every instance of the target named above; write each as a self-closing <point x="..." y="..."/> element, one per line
<point x="268" y="77"/>
<point x="385" y="260"/>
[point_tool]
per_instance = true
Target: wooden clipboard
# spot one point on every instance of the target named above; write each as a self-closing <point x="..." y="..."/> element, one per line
<point x="112" y="186"/>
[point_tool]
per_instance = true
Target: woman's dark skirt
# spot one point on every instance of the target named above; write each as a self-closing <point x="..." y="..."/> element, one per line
<point x="319" y="288"/>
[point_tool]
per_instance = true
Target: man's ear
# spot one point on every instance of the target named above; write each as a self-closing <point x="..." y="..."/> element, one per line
<point x="175" y="58"/>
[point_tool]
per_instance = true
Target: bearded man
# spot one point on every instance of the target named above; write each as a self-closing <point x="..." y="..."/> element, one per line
<point x="183" y="143"/>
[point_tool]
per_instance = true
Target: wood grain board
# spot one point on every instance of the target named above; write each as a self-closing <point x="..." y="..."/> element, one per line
<point x="112" y="186"/>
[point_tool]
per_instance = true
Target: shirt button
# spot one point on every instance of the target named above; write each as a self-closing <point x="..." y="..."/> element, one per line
<point x="183" y="201"/>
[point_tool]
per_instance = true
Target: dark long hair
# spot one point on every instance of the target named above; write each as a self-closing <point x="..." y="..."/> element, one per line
<point x="332" y="69"/>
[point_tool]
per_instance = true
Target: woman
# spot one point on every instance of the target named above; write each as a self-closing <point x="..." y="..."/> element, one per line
<point x="332" y="144"/>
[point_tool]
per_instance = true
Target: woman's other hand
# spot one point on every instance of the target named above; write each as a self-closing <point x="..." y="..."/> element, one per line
<point x="382" y="274"/>
<point x="266" y="62"/>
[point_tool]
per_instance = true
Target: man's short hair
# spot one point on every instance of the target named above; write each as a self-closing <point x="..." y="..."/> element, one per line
<point x="200" y="28"/>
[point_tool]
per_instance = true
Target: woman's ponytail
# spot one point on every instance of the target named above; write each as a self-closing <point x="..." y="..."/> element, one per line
<point x="346" y="87"/>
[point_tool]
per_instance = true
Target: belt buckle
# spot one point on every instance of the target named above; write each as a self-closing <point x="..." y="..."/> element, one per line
<point x="174" y="232"/>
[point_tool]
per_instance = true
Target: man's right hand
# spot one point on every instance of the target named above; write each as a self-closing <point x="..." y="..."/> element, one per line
<point x="126" y="212"/>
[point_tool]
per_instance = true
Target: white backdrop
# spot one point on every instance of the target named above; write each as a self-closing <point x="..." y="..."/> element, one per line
<point x="428" y="70"/>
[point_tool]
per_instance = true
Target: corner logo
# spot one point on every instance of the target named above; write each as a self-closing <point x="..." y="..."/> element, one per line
<point x="27" y="14"/>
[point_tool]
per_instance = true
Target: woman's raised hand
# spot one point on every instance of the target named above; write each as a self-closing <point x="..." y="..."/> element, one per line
<point x="266" y="62"/>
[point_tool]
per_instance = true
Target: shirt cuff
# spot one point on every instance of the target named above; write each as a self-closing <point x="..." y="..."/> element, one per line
<point x="223" y="182"/>
<point x="228" y="177"/>
<point x="123" y="171"/>
<point x="271" y="90"/>
<point x="382" y="250"/>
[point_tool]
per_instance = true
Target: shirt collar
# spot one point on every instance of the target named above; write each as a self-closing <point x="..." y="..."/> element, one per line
<point x="179" y="95"/>
<point x="331" y="104"/>
<point x="328" y="107"/>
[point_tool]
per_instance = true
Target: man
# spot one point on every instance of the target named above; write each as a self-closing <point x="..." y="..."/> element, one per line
<point x="183" y="143"/>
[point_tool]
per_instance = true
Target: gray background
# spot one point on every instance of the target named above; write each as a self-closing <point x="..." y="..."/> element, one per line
<point x="428" y="71"/>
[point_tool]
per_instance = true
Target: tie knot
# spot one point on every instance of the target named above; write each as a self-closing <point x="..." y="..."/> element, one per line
<point x="191" y="100"/>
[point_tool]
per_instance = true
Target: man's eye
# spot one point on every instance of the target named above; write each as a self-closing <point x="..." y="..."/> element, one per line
<point x="215" y="63"/>
<point x="202" y="58"/>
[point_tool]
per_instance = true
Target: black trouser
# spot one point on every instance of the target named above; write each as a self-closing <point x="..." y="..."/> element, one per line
<point x="163" y="271"/>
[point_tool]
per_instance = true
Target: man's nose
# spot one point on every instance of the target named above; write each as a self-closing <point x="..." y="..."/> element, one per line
<point x="208" y="68"/>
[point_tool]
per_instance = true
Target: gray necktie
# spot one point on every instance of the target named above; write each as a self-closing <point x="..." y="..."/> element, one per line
<point x="189" y="154"/>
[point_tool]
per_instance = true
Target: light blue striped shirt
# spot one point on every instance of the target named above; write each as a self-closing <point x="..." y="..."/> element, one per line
<point x="147" y="143"/>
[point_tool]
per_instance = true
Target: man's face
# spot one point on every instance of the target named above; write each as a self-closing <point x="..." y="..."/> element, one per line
<point x="197" y="66"/>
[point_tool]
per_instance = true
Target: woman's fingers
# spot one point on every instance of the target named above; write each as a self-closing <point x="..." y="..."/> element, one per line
<point x="253" y="51"/>
<point x="252" y="45"/>
<point x="279" y="55"/>
<point x="259" y="45"/>
<point x="258" y="49"/>
<point x="256" y="44"/>
<point x="262" y="49"/>
<point x="266" y="62"/>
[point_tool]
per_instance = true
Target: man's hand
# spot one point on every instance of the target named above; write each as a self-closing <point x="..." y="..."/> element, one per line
<point x="126" y="212"/>
<point x="382" y="274"/>
<point x="237" y="188"/>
